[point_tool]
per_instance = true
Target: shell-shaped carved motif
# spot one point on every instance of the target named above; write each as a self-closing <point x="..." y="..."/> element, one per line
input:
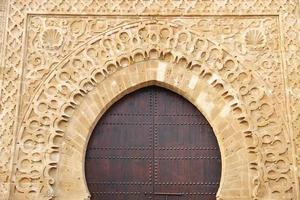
<point x="255" y="39"/>
<point x="52" y="38"/>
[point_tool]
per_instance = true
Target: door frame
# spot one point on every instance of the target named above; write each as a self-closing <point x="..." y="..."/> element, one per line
<point x="202" y="92"/>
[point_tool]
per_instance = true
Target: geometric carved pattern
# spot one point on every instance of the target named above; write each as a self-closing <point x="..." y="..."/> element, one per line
<point x="270" y="117"/>
<point x="107" y="53"/>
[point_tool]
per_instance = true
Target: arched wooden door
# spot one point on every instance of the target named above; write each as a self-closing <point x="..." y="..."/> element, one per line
<point x="153" y="144"/>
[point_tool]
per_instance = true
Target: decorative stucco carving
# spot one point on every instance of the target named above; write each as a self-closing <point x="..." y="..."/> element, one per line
<point x="52" y="60"/>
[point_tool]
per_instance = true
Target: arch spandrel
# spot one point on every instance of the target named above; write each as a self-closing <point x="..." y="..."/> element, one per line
<point x="179" y="52"/>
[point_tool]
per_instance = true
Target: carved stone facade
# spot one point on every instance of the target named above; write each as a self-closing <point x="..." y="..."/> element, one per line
<point x="2" y="23"/>
<point x="65" y="62"/>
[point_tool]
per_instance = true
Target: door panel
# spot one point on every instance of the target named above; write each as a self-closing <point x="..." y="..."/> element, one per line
<point x="184" y="149"/>
<point x="153" y="144"/>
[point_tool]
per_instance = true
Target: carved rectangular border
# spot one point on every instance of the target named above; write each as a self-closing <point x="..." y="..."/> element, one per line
<point x="254" y="33"/>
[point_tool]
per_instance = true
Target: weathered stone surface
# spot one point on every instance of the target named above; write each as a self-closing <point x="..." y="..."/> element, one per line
<point x="65" y="62"/>
<point x="2" y="24"/>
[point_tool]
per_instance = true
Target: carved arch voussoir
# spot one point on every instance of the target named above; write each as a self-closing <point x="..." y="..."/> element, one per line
<point x="206" y="97"/>
<point x="177" y="50"/>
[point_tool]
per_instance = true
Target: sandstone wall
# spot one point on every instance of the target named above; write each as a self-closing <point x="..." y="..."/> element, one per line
<point x="2" y="22"/>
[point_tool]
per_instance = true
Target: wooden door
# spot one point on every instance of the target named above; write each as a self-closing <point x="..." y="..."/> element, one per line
<point x="153" y="144"/>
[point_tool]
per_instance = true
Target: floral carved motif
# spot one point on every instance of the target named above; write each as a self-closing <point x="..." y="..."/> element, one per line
<point x="52" y="39"/>
<point x="255" y="39"/>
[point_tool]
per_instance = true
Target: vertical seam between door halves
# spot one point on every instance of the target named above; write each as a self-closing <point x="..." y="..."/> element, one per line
<point x="152" y="138"/>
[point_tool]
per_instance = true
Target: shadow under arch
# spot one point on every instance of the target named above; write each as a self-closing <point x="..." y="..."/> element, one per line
<point x="151" y="102"/>
<point x="209" y="99"/>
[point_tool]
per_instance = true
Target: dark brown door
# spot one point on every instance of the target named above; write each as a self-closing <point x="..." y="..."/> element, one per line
<point x="153" y="144"/>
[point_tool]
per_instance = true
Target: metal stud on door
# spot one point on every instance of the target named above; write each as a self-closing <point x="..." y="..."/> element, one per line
<point x="153" y="144"/>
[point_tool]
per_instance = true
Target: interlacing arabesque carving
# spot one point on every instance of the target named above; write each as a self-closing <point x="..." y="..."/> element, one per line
<point x="292" y="46"/>
<point x="165" y="6"/>
<point x="55" y="100"/>
<point x="49" y="40"/>
<point x="255" y="40"/>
